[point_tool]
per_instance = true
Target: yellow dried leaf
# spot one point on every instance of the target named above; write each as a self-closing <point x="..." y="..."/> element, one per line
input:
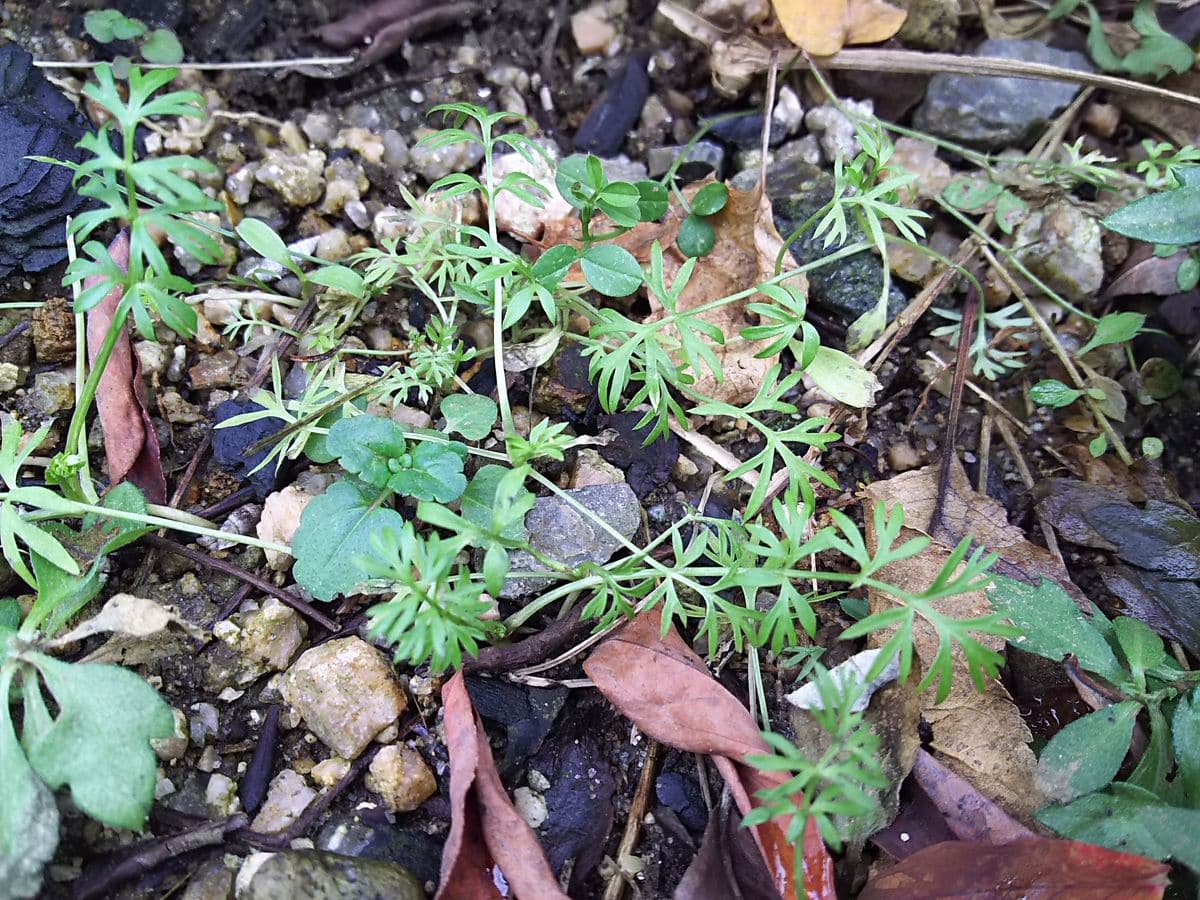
<point x="823" y="27"/>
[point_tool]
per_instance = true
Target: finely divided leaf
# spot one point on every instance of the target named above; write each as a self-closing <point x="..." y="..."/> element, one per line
<point x="99" y="743"/>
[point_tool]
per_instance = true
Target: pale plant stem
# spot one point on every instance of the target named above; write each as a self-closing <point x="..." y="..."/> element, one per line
<point x="1052" y="342"/>
<point x="177" y="522"/>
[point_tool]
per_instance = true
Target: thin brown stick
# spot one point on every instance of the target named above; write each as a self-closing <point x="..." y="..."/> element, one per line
<point x="228" y="568"/>
<point x="1014" y="450"/>
<point x="633" y="822"/>
<point x="938" y="527"/>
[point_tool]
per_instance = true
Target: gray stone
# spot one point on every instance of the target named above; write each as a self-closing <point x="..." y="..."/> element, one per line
<point x="998" y="112"/>
<point x="433" y="162"/>
<point x="559" y="530"/>
<point x="703" y="158"/>
<point x="53" y="392"/>
<point x="1061" y="245"/>
<point x="317" y="875"/>
<point x="798" y="189"/>
<point x="298" y="178"/>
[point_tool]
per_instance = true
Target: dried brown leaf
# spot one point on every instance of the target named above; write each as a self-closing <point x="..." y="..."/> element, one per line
<point x="130" y="442"/>
<point x="979" y="736"/>
<point x="1031" y="869"/>
<point x="823" y="27"/>
<point x="665" y="689"/>
<point x="486" y="831"/>
<point x="747" y="245"/>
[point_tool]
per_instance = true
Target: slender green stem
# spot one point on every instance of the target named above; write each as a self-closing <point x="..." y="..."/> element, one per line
<point x="84" y="405"/>
<point x="506" y="417"/>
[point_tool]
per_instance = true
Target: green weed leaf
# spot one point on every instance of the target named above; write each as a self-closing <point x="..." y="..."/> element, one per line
<point x="162" y="47"/>
<point x="107" y="25"/>
<point x="375" y="449"/>
<point x="843" y="377"/>
<point x="1132" y="820"/>
<point x="1115" y="328"/>
<point x="1086" y="755"/>
<point x="696" y="236"/>
<point x="653" y="200"/>
<point x="335" y="530"/>
<point x="471" y="415"/>
<point x="710" y="199"/>
<point x="1143" y="648"/>
<point x="611" y="270"/>
<point x="99" y="742"/>
<point x="971" y="193"/>
<point x="1185" y="733"/>
<point x="340" y="278"/>
<point x="266" y="243"/>
<point x="496" y="500"/>
<point x="1050" y="392"/>
<point x="1167" y="217"/>
<point x="1053" y="625"/>
<point x="28" y="814"/>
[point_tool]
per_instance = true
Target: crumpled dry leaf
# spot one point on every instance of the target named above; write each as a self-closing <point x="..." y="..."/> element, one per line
<point x="134" y="616"/>
<point x="979" y="736"/>
<point x="486" y="831"/>
<point x="823" y="27"/>
<point x="1034" y="868"/>
<point x="667" y="692"/>
<point x="969" y="814"/>
<point x="728" y="863"/>
<point x="130" y="442"/>
<point x="1160" y="540"/>
<point x="1144" y="272"/>
<point x="747" y="245"/>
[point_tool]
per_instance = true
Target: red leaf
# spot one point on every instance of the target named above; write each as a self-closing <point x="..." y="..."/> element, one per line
<point x="130" y="443"/>
<point x="490" y="848"/>
<point x="660" y="685"/>
<point x="1031" y="869"/>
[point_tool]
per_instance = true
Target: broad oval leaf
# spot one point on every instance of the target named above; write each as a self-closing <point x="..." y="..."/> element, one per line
<point x="1051" y="392"/>
<point x="710" y="199"/>
<point x="1086" y="755"/>
<point x="471" y="415"/>
<point x="263" y="240"/>
<point x="335" y="529"/>
<point x="696" y="236"/>
<point x="1168" y="217"/>
<point x="843" y="377"/>
<point x="611" y="270"/>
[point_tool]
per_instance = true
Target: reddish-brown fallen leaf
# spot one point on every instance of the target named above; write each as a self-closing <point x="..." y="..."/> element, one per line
<point x="727" y="864"/>
<point x="489" y="844"/>
<point x="1034" y="869"/>
<point x="130" y="442"/>
<point x="969" y="814"/>
<point x="665" y="689"/>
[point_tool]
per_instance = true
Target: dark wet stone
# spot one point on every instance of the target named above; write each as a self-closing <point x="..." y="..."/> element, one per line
<point x="700" y="160"/>
<point x="849" y="287"/>
<point x="230" y="444"/>
<point x="605" y="128"/>
<point x="35" y="197"/>
<point x="999" y="112"/>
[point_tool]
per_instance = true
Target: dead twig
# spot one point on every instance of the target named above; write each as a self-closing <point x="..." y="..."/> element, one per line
<point x="938" y="527"/>
<point x="228" y="568"/>
<point x="633" y="821"/>
<point x="153" y="853"/>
